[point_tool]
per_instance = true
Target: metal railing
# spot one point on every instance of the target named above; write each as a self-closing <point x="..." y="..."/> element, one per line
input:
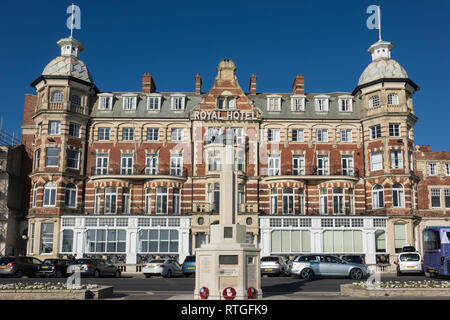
<point x="311" y="171"/>
<point x="138" y="170"/>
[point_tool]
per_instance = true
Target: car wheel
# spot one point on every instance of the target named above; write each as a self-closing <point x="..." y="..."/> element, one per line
<point x="147" y="275"/>
<point x="398" y="273"/>
<point x="58" y="274"/>
<point x="306" y="274"/>
<point x="19" y="274"/>
<point x="356" y="274"/>
<point x="96" y="274"/>
<point x="168" y="274"/>
<point x="117" y="274"/>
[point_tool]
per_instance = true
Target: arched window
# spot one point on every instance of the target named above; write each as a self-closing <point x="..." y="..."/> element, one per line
<point x="50" y="194"/>
<point x="398" y="196"/>
<point x="35" y="189"/>
<point x="70" y="196"/>
<point x="75" y="99"/>
<point x="377" y="196"/>
<point x="57" y="96"/>
<point x="392" y="99"/>
<point x="374" y="101"/>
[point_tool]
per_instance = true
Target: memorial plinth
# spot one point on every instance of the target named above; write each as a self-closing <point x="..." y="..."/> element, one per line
<point x="227" y="267"/>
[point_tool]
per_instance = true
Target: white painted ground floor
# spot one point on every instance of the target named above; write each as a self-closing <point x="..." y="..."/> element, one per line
<point x="133" y="240"/>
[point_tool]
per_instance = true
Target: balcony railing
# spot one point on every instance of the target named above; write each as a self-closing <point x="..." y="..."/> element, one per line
<point x="137" y="170"/>
<point x="311" y="171"/>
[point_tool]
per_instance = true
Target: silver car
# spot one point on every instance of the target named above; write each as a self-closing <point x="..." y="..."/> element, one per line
<point x="274" y="265"/>
<point x="163" y="267"/>
<point x="308" y="266"/>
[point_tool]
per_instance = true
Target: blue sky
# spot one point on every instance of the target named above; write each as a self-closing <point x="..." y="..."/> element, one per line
<point x="326" y="41"/>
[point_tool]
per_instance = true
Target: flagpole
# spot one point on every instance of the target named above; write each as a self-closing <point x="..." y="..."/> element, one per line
<point x="379" y="23"/>
<point x="71" y="23"/>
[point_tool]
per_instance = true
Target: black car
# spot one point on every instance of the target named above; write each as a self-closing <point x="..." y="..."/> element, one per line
<point x="19" y="266"/>
<point x="94" y="267"/>
<point x="53" y="268"/>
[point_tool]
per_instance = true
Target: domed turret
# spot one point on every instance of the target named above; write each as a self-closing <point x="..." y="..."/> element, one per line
<point x="68" y="64"/>
<point x="382" y="66"/>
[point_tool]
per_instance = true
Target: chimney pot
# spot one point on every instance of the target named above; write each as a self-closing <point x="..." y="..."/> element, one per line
<point x="298" y="87"/>
<point x="253" y="84"/>
<point x="148" y="85"/>
<point x="198" y="84"/>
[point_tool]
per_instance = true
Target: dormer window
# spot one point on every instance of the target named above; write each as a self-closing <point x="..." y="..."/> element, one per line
<point x="57" y="96"/>
<point x="129" y="102"/>
<point x="75" y="99"/>
<point x="345" y="104"/>
<point x="392" y="99"/>
<point x="321" y="103"/>
<point x="273" y="103"/>
<point x="178" y="102"/>
<point x="154" y="102"/>
<point x="105" y="102"/>
<point x="225" y="102"/>
<point x="298" y="103"/>
<point x="374" y="102"/>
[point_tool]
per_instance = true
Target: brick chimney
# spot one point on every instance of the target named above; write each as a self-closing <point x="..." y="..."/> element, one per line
<point x="425" y="148"/>
<point x="298" y="87"/>
<point x="253" y="84"/>
<point x="148" y="86"/>
<point x="198" y="84"/>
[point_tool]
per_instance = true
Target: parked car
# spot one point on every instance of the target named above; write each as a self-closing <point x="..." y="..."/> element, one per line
<point x="359" y="259"/>
<point x="94" y="267"/>
<point x="273" y="265"/>
<point x="163" y="267"/>
<point x="19" y="266"/>
<point x="188" y="266"/>
<point x="308" y="266"/>
<point x="409" y="262"/>
<point x="53" y="268"/>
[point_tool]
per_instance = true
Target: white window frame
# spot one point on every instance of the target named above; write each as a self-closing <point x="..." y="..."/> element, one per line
<point x="323" y="165"/>
<point x="46" y="239"/>
<point x="70" y="193"/>
<point x="400" y="196"/>
<point x="176" y="164"/>
<point x="97" y="201"/>
<point x="433" y="169"/>
<point x="298" y="103"/>
<point x="110" y="203"/>
<point x="178" y="102"/>
<point x="34" y="200"/>
<point x="273" y="103"/>
<point x="214" y="160"/>
<point x="152" y="135"/>
<point x="54" y="127"/>
<point x="274" y="164"/>
<point x="161" y="200"/>
<point x="50" y="193"/>
<point x="273" y="135"/>
<point x="375" y="132"/>
<point x="177" y="134"/>
<point x="394" y="129"/>
<point x="151" y="163"/>
<point x="151" y="105"/>
<point x="321" y="135"/>
<point x="129" y="135"/>
<point x="129" y="102"/>
<point x="47" y="157"/>
<point x="126" y="200"/>
<point x="75" y="159"/>
<point x="340" y="197"/>
<point x="346" y="135"/>
<point x="106" y="134"/>
<point x="287" y="198"/>
<point x="396" y="159"/>
<point x="346" y="104"/>
<point x="273" y="198"/>
<point x="347" y="165"/>
<point x="435" y="192"/>
<point x="298" y="164"/>
<point x="148" y="201"/>
<point x="375" y="163"/>
<point x="37" y="158"/>
<point x="74" y="130"/>
<point x="300" y="135"/>
<point x="127" y="166"/>
<point x="374" y="101"/>
<point x="105" y="102"/>
<point x="376" y="197"/>
<point x="393" y="99"/>
<point x="323" y="201"/>
<point x="447" y="169"/>
<point x="176" y="201"/>
<point x="102" y="163"/>
<point x="321" y="103"/>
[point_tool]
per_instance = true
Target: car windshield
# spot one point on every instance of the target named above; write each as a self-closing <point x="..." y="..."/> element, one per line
<point x="157" y="261"/>
<point x="82" y="261"/>
<point x="190" y="259"/>
<point x="5" y="260"/>
<point x="48" y="262"/>
<point x="409" y="257"/>
<point x="269" y="259"/>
